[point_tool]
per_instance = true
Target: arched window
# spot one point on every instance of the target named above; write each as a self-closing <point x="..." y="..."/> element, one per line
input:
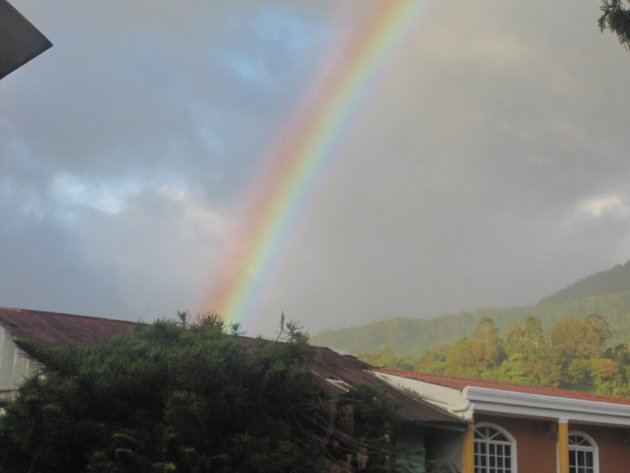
<point x="495" y="450"/>
<point x="583" y="456"/>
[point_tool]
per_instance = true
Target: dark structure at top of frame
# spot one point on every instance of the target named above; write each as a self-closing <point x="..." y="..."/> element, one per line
<point x="20" y="41"/>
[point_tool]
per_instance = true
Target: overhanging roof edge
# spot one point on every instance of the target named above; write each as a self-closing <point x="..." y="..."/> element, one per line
<point x="538" y="405"/>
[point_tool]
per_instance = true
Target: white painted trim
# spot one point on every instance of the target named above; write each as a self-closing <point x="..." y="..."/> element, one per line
<point x="497" y="401"/>
<point x="449" y="399"/>
<point x="474" y="399"/>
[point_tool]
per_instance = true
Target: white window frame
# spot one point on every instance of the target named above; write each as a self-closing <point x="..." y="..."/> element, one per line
<point x="511" y="441"/>
<point x="593" y="448"/>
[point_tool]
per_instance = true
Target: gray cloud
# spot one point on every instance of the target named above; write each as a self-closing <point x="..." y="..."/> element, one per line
<point x="487" y="169"/>
<point x="462" y="187"/>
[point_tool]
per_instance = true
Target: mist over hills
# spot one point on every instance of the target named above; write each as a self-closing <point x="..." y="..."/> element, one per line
<point x="606" y="293"/>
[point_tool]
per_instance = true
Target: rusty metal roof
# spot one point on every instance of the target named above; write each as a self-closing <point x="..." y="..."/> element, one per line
<point x="336" y="370"/>
<point x="341" y="371"/>
<point x="54" y="328"/>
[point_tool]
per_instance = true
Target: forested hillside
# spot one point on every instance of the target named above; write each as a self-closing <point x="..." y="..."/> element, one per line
<point x="606" y="293"/>
<point x="611" y="281"/>
<point x="575" y="353"/>
<point x="412" y="337"/>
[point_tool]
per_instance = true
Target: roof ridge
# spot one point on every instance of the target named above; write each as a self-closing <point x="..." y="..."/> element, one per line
<point x="65" y="314"/>
<point x="58" y="328"/>
<point x="517" y="387"/>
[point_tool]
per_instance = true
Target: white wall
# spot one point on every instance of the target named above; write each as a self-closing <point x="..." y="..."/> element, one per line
<point x="449" y="399"/>
<point x="14" y="364"/>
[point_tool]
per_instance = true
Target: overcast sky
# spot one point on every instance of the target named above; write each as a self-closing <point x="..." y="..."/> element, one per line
<point x="489" y="169"/>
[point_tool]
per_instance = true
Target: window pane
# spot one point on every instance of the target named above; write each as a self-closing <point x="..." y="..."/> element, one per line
<point x="499" y="437"/>
<point x="588" y="459"/>
<point x="581" y="455"/>
<point x="492" y="451"/>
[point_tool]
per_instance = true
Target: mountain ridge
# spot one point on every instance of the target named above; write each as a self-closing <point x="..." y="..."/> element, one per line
<point x="606" y="293"/>
<point x="609" y="281"/>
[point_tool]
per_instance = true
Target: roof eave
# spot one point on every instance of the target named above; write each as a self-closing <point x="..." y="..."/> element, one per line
<point x="457" y="426"/>
<point x="445" y="398"/>
<point x="496" y="401"/>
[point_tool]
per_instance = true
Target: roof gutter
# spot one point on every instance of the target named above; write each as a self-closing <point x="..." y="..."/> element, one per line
<point x="540" y="406"/>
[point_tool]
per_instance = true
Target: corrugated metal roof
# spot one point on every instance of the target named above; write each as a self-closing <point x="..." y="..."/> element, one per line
<point x="339" y="370"/>
<point x="462" y="383"/>
<point x="336" y="370"/>
<point x="56" y="329"/>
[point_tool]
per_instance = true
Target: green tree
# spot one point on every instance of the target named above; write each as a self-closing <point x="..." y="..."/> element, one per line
<point x="600" y="327"/>
<point x="478" y="356"/>
<point x="432" y="361"/>
<point x="617" y="19"/>
<point x="190" y="398"/>
<point x="579" y="348"/>
<point x="385" y="358"/>
<point x="575" y="338"/>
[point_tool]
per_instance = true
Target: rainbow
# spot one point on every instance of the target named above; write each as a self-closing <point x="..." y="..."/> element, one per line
<point x="310" y="142"/>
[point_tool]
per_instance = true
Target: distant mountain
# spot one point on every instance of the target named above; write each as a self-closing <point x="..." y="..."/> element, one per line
<point x="412" y="337"/>
<point x="606" y="293"/>
<point x="606" y="282"/>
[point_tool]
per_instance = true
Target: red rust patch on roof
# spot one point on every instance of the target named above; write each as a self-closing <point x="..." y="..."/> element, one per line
<point x="57" y="329"/>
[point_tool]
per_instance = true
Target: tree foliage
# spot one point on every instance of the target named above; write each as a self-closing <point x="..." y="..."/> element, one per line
<point x="617" y="19"/>
<point x="411" y="338"/>
<point x="179" y="397"/>
<point x="606" y="293"/>
<point x="576" y="353"/>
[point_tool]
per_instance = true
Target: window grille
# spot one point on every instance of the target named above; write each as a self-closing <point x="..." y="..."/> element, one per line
<point x="494" y="451"/>
<point x="582" y="454"/>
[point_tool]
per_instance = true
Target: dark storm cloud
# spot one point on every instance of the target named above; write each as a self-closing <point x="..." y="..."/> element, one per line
<point x="131" y="91"/>
<point x="120" y="149"/>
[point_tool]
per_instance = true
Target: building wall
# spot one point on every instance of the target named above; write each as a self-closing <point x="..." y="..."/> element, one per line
<point x="613" y="445"/>
<point x="449" y="399"/>
<point x="535" y="442"/>
<point x="444" y="450"/>
<point x="14" y="365"/>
